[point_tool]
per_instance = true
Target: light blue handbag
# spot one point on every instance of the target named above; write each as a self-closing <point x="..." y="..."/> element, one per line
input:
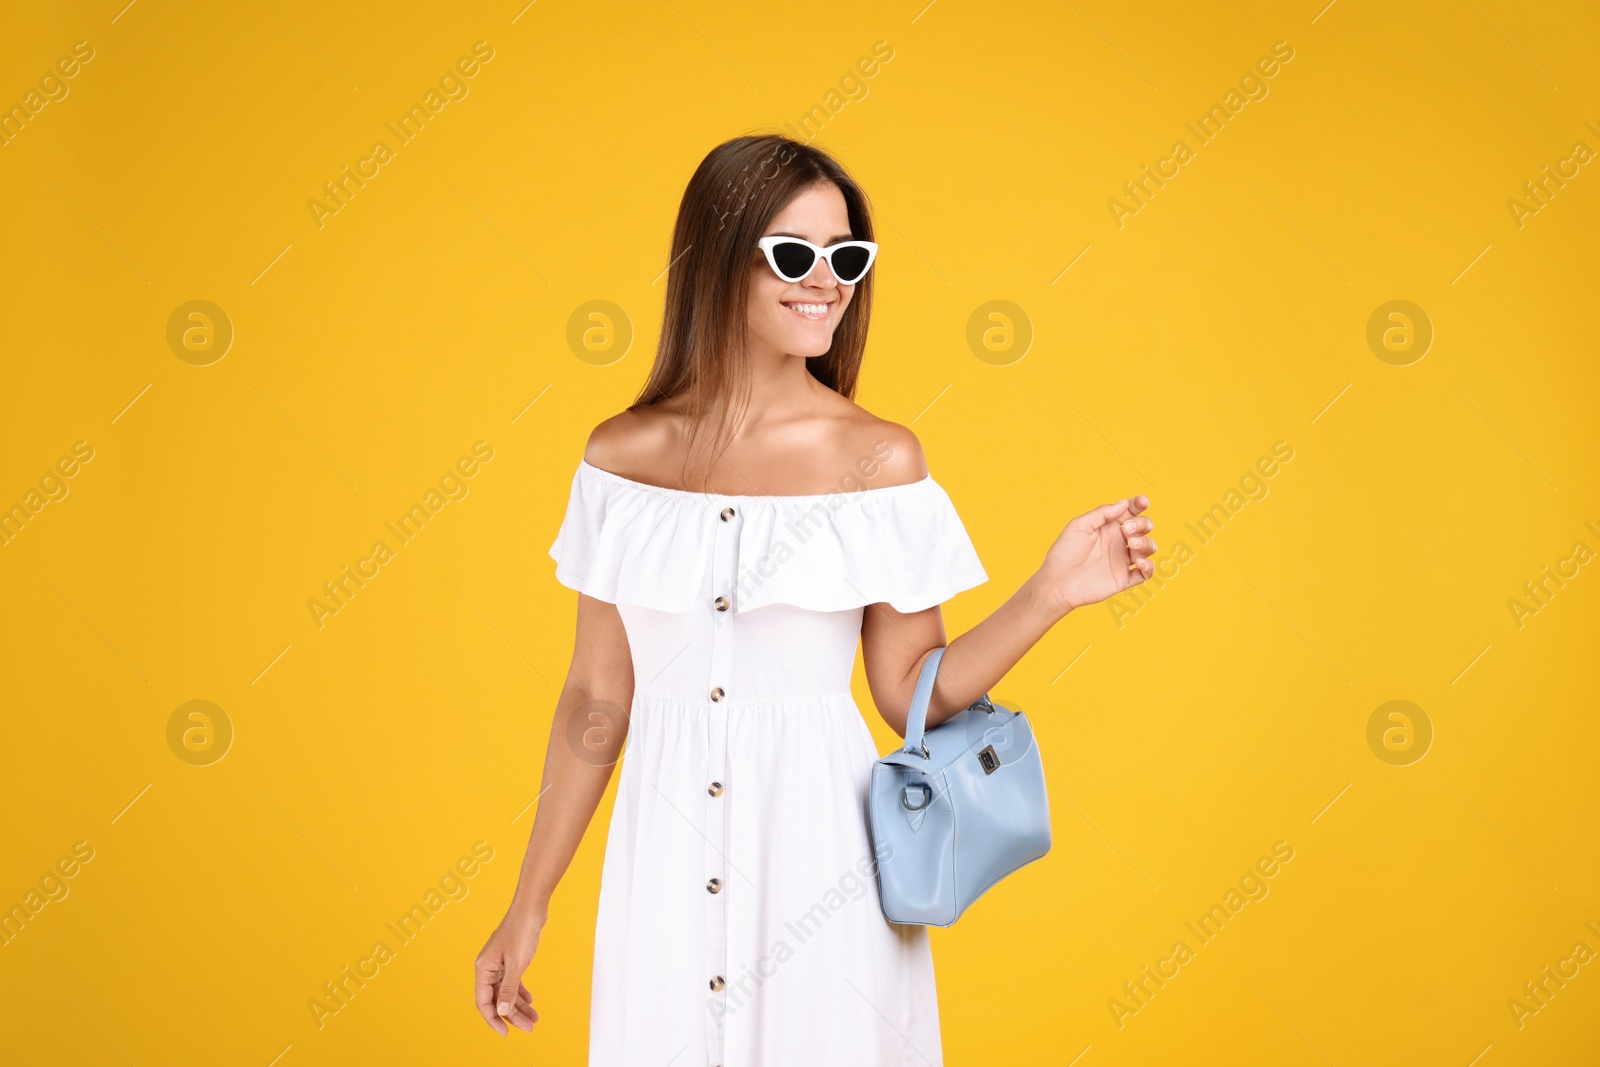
<point x="955" y="809"/>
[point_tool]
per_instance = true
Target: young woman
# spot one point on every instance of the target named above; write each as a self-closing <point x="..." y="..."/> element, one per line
<point x="724" y="582"/>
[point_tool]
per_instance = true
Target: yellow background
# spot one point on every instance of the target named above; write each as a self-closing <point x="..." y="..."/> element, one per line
<point x="1230" y="712"/>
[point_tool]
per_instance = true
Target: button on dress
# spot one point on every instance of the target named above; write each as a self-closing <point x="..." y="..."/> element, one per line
<point x="739" y="923"/>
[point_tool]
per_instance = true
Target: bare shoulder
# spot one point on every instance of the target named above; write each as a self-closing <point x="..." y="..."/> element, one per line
<point x="627" y="442"/>
<point x="886" y="453"/>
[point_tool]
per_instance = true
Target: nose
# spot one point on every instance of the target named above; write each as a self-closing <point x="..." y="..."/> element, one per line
<point x="821" y="276"/>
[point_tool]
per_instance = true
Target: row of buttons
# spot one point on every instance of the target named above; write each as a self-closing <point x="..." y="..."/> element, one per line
<point x="722" y="603"/>
<point x="714" y="884"/>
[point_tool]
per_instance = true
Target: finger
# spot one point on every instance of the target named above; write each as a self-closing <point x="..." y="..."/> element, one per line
<point x="1122" y="509"/>
<point x="1140" y="570"/>
<point x="1141" y="525"/>
<point x="508" y="997"/>
<point x="523" y="1016"/>
<point x="523" y="1003"/>
<point x="484" y="989"/>
<point x="1143" y="545"/>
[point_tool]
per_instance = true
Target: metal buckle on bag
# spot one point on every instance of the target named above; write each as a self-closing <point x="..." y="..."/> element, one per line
<point x="988" y="760"/>
<point x="924" y="792"/>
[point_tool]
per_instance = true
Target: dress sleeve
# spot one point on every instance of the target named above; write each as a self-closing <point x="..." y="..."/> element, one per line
<point x="623" y="545"/>
<point x="573" y="548"/>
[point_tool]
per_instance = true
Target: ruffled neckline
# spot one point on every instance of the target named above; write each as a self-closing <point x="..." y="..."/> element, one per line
<point x="631" y="542"/>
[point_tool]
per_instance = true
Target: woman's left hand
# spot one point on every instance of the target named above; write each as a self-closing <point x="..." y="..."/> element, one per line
<point x="1099" y="554"/>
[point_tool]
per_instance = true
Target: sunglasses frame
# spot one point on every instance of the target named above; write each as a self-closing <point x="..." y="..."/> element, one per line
<point x="766" y="244"/>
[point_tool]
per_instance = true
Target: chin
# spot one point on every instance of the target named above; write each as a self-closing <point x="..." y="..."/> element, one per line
<point x="800" y="342"/>
<point x="809" y="347"/>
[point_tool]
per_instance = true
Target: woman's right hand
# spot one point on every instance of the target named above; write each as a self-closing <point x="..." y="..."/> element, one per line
<point x="498" y="973"/>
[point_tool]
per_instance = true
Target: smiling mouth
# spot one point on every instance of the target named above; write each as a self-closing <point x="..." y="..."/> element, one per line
<point x="814" y="312"/>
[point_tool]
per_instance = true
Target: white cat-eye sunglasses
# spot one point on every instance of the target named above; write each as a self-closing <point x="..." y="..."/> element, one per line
<point x="793" y="258"/>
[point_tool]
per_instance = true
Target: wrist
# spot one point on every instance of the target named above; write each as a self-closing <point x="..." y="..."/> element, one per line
<point x="533" y="909"/>
<point x="1045" y="599"/>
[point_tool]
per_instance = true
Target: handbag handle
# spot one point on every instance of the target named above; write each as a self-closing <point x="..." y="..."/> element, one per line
<point x="917" y="715"/>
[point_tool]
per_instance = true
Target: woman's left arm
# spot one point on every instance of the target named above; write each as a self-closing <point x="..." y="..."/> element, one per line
<point x="1099" y="554"/>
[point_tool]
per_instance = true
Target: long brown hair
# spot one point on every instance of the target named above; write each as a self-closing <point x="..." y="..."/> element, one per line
<point x="733" y="196"/>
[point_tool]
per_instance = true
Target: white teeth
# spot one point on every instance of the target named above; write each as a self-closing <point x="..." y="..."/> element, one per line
<point x="809" y="309"/>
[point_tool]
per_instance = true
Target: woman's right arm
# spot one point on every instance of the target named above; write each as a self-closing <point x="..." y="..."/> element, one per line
<point x="586" y="739"/>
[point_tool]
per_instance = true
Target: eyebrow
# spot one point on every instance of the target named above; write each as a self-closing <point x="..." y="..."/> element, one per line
<point x="830" y="241"/>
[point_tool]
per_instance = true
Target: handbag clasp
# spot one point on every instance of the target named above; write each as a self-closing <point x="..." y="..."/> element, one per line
<point x="988" y="760"/>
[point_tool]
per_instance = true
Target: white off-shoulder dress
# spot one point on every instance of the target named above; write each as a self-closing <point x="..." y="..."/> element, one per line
<point x="739" y="923"/>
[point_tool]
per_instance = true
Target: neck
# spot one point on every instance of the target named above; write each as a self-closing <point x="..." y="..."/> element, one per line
<point x="780" y="387"/>
<point x="779" y="384"/>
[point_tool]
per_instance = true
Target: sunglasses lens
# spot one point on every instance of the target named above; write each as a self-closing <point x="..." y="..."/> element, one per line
<point x="794" y="260"/>
<point x="849" y="264"/>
